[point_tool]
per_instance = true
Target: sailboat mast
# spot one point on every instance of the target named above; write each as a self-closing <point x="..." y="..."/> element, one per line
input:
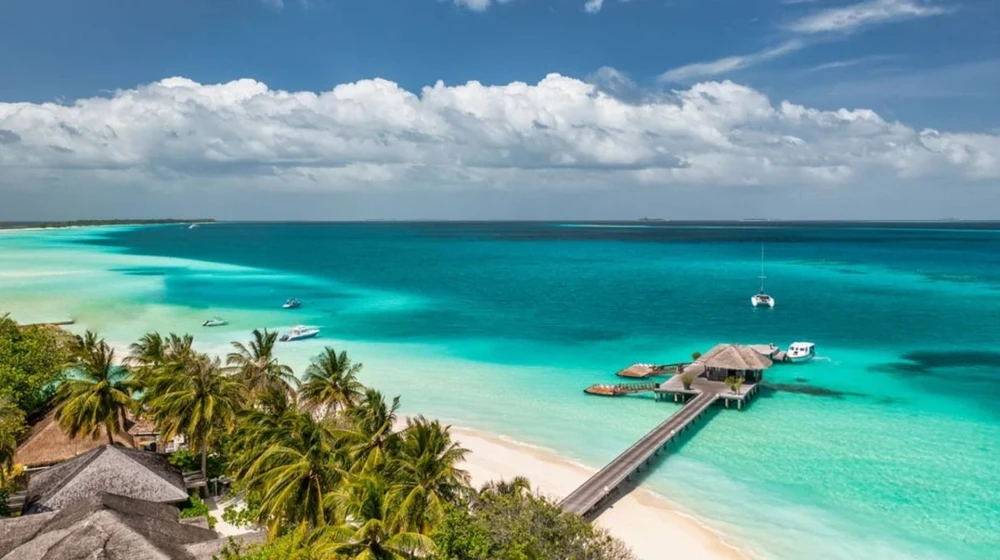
<point x="762" y="268"/>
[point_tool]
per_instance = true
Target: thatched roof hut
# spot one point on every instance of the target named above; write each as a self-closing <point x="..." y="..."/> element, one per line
<point x="48" y="444"/>
<point x="125" y="472"/>
<point x="733" y="359"/>
<point x="110" y="527"/>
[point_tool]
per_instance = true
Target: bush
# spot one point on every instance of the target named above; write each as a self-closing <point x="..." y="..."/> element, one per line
<point x="518" y="525"/>
<point x="197" y="508"/>
<point x="190" y="461"/>
<point x="32" y="363"/>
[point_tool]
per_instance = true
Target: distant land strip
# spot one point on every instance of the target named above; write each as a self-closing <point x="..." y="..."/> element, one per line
<point x="83" y="223"/>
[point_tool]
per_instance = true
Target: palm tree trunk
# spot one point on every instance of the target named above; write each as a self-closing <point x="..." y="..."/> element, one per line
<point x="107" y="430"/>
<point x="204" y="462"/>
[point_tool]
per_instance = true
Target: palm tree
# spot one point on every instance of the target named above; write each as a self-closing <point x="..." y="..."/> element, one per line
<point x="293" y="460"/>
<point x="370" y="530"/>
<point x="194" y="397"/>
<point x="427" y="474"/>
<point x="517" y="486"/>
<point x="371" y="434"/>
<point x="100" y="395"/>
<point x="256" y="366"/>
<point x="332" y="382"/>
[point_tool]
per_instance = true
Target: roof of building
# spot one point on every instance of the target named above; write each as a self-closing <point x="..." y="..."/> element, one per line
<point x="109" y="527"/>
<point x="48" y="444"/>
<point x="126" y="472"/>
<point x="734" y="357"/>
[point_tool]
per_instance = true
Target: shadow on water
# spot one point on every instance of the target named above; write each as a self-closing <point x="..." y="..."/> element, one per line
<point x="768" y="389"/>
<point x="973" y="375"/>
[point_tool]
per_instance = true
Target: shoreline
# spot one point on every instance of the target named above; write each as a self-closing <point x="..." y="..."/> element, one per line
<point x="643" y="520"/>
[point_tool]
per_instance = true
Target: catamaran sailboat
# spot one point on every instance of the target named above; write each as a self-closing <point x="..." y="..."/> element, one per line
<point x="761" y="299"/>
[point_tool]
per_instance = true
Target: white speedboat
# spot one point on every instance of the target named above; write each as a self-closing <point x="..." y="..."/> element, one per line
<point x="215" y="322"/>
<point x="291" y="303"/>
<point x="300" y="332"/>
<point x="801" y="352"/>
<point x="761" y="299"/>
<point x="192" y="226"/>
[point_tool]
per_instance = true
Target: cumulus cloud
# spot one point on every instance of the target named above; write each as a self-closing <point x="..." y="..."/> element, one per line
<point x="593" y="6"/>
<point x="561" y="133"/>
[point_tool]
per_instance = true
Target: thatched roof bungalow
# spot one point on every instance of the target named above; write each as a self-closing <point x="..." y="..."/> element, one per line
<point x="113" y="528"/>
<point x="48" y="444"/>
<point x="125" y="472"/>
<point x="725" y="360"/>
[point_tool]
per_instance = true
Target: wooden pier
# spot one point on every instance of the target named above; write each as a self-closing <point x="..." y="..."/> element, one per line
<point x="728" y="373"/>
<point x="585" y="499"/>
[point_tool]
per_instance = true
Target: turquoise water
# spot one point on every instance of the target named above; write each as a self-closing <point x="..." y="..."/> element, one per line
<point x="884" y="447"/>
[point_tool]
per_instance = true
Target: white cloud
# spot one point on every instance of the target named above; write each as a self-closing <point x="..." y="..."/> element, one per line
<point x="593" y="6"/>
<point x="865" y="14"/>
<point x="561" y="133"/>
<point x="478" y="5"/>
<point x="729" y="63"/>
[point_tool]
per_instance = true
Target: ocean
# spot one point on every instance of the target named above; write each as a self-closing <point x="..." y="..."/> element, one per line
<point x="886" y="446"/>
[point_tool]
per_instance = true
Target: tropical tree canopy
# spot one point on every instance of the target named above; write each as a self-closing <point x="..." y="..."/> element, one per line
<point x="32" y="363"/>
<point x="332" y="382"/>
<point x="98" y="394"/>
<point x="257" y="368"/>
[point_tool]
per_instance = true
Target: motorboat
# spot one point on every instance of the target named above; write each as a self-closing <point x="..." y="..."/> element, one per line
<point x="192" y="226"/>
<point x="299" y="332"/>
<point x="761" y="299"/>
<point x="215" y="322"/>
<point x="291" y="303"/>
<point x="801" y="352"/>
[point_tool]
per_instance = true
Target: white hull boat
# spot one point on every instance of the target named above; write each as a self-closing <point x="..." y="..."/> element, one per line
<point x="800" y="352"/>
<point x="761" y="299"/>
<point x="292" y="303"/>
<point x="215" y="322"/>
<point x="299" y="333"/>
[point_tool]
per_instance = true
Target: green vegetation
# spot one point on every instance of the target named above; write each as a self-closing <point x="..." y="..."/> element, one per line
<point x="327" y="468"/>
<point x="506" y="520"/>
<point x="197" y="508"/>
<point x="32" y="361"/>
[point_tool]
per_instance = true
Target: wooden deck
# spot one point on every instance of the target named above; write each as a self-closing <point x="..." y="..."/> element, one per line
<point x="675" y="387"/>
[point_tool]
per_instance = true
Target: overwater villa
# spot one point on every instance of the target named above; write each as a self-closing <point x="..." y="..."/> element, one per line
<point x="728" y="360"/>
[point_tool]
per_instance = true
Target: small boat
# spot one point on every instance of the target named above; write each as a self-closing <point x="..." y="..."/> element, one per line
<point x="761" y="299"/>
<point x="292" y="303"/>
<point x="215" y="322"/>
<point x="300" y="332"/>
<point x="801" y="352"/>
<point x="192" y="226"/>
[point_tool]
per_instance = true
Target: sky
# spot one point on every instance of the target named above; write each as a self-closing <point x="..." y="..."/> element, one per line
<point x="500" y="109"/>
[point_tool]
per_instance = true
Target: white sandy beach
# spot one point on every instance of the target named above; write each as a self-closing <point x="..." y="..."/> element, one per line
<point x="646" y="522"/>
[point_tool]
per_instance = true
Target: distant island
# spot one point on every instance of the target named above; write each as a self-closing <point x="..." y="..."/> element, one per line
<point x="82" y="223"/>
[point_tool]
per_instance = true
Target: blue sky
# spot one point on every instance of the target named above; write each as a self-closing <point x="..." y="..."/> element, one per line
<point x="924" y="63"/>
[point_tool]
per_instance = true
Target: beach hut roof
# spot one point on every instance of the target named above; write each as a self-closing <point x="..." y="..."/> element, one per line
<point x="110" y="527"/>
<point x="126" y="472"/>
<point x="48" y="444"/>
<point x="735" y="357"/>
<point x="139" y="426"/>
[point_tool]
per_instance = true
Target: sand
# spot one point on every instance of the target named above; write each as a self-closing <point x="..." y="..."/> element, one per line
<point x="646" y="522"/>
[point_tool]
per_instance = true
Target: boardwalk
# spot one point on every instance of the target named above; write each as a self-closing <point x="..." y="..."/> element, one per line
<point x="585" y="499"/>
